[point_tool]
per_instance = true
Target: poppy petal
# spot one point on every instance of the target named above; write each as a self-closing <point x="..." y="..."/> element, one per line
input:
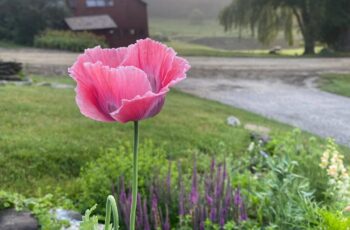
<point x="108" y="88"/>
<point x="108" y="57"/>
<point x="140" y="108"/>
<point x="154" y="58"/>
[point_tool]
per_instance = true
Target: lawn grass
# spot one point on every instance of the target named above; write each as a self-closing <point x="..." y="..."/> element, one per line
<point x="44" y="140"/>
<point x="335" y="83"/>
<point x="190" y="49"/>
<point x="173" y="28"/>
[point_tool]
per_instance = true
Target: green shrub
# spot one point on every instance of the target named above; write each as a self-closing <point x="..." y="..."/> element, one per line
<point x="331" y="220"/>
<point x="307" y="152"/>
<point x="68" y="40"/>
<point x="98" y="177"/>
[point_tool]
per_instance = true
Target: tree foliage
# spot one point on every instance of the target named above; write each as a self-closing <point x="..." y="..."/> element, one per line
<point x="268" y="17"/>
<point x="21" y="20"/>
<point x="335" y="23"/>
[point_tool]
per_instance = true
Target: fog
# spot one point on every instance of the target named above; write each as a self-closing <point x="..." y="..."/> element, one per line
<point x="182" y="8"/>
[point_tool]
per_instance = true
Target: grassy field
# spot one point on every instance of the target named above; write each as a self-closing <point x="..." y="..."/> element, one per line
<point x="335" y="83"/>
<point x="190" y="49"/>
<point x="44" y="140"/>
<point x="183" y="28"/>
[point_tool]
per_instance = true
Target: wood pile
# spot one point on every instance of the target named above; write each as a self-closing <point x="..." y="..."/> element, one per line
<point x="10" y="71"/>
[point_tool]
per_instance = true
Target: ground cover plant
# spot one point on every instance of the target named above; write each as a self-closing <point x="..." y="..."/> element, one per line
<point x="284" y="184"/>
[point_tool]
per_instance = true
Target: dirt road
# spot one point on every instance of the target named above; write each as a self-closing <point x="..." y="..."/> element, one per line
<point x="279" y="88"/>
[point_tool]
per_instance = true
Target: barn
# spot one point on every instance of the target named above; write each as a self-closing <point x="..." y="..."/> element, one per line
<point x="121" y="22"/>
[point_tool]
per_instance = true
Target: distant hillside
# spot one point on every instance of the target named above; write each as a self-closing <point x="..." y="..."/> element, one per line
<point x="183" y="8"/>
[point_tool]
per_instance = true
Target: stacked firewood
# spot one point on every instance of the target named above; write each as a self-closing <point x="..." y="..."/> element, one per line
<point x="10" y="71"/>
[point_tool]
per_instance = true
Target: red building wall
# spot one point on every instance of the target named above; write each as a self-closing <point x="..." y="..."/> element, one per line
<point x="129" y="15"/>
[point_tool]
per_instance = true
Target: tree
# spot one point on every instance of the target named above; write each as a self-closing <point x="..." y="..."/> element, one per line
<point x="335" y="29"/>
<point x="21" y="20"/>
<point x="268" y="17"/>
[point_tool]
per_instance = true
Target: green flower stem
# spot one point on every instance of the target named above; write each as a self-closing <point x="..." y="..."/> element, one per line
<point x="111" y="206"/>
<point x="135" y="177"/>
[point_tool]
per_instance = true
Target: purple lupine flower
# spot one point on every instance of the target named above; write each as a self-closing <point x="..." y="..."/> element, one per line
<point x="212" y="214"/>
<point x="139" y="219"/>
<point x="225" y="172"/>
<point x="181" y="195"/>
<point x="219" y="184"/>
<point x="122" y="195"/>
<point x="212" y="168"/>
<point x="166" y="225"/>
<point x="243" y="212"/>
<point x="146" y="225"/>
<point x="237" y="198"/>
<point x="194" y="191"/>
<point x="227" y="200"/>
<point x="202" y="225"/>
<point x="155" y="213"/>
<point x="210" y="200"/>
<point x="203" y="218"/>
<point x="168" y="180"/>
<point x="222" y="217"/>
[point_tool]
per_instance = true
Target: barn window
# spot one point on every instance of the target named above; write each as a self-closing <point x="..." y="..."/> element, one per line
<point x="99" y="3"/>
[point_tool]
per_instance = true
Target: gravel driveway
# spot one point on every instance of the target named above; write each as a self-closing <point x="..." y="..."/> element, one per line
<point x="279" y="88"/>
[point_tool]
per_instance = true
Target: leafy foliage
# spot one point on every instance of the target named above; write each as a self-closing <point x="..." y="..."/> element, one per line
<point x="99" y="176"/>
<point x="40" y="207"/>
<point x="335" y="23"/>
<point x="89" y="222"/>
<point x="269" y="17"/>
<point x="68" y="40"/>
<point x="21" y="20"/>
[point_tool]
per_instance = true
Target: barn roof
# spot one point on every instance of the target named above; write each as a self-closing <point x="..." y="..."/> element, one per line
<point x="94" y="22"/>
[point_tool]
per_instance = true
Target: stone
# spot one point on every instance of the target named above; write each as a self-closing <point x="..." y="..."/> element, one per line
<point x="74" y="219"/>
<point x="22" y="83"/>
<point x="257" y="128"/>
<point x="61" y="86"/>
<point x="233" y="121"/>
<point x="44" y="83"/>
<point x="10" y="219"/>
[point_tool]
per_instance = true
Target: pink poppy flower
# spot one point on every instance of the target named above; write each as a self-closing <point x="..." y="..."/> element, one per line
<point x="126" y="84"/>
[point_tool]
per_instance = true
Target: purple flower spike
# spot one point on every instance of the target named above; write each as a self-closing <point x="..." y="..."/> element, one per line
<point x="212" y="168"/>
<point x="237" y="199"/>
<point x="139" y="220"/>
<point x="146" y="225"/>
<point x="168" y="180"/>
<point x="194" y="191"/>
<point x="181" y="195"/>
<point x="222" y="217"/>
<point x="243" y="213"/>
<point x="166" y="225"/>
<point x="122" y="195"/>
<point x="156" y="217"/>
<point x="213" y="214"/>
<point x="209" y="200"/>
<point x="225" y="172"/>
<point x="219" y="184"/>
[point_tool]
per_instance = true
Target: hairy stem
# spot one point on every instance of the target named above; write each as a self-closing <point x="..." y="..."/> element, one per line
<point x="135" y="177"/>
<point x="111" y="206"/>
